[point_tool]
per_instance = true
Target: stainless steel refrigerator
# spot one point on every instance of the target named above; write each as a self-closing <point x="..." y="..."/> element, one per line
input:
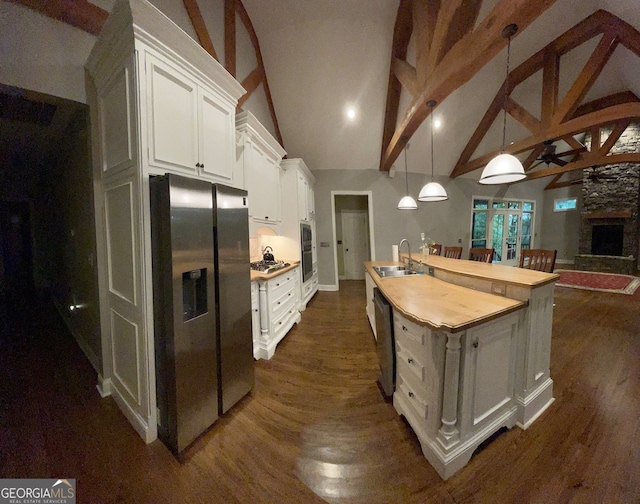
<point x="184" y="309"/>
<point x="202" y="304"/>
<point x="233" y="294"/>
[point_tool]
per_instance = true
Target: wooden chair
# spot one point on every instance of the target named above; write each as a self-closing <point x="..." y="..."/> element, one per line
<point x="481" y="254"/>
<point x="436" y="249"/>
<point x="538" y="259"/>
<point x="453" y="252"/>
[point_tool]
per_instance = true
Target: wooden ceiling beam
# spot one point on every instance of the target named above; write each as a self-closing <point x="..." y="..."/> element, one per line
<point x="438" y="47"/>
<point x="230" y="36"/>
<point x="77" y="13"/>
<point x="556" y="184"/>
<point x="580" y="164"/>
<point x="554" y="116"/>
<point x="250" y="83"/>
<point x="572" y="142"/>
<point x="425" y="21"/>
<point x="461" y="63"/>
<point x="590" y="72"/>
<point x="569" y="128"/>
<point x="401" y="34"/>
<point x="406" y="74"/>
<point x="550" y="83"/>
<point x="244" y="17"/>
<point x="533" y="155"/>
<point x="523" y="116"/>
<point x="618" y="130"/>
<point x="197" y="21"/>
<point x="606" y="101"/>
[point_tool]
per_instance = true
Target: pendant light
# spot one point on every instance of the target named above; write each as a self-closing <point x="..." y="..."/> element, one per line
<point x="407" y="202"/>
<point x="504" y="168"/>
<point x="432" y="191"/>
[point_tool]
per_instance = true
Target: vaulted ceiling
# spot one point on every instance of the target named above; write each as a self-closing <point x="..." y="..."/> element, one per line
<point x="574" y="69"/>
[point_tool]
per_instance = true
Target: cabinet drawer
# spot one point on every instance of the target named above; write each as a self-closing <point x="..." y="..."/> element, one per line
<point x="410" y="330"/>
<point x="284" y="322"/>
<point x="306" y="288"/>
<point x="414" y="399"/>
<point x="282" y="283"/>
<point x="283" y="304"/>
<point x="408" y="362"/>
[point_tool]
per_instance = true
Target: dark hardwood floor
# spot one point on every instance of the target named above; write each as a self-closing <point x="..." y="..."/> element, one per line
<point x="316" y="428"/>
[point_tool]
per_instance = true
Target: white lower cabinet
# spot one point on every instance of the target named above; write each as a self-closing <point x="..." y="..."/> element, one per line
<point x="309" y="288"/>
<point x="455" y="389"/>
<point x="278" y="304"/>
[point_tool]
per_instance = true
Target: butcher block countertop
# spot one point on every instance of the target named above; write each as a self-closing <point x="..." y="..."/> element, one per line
<point x="259" y="275"/>
<point x="494" y="272"/>
<point x="440" y="305"/>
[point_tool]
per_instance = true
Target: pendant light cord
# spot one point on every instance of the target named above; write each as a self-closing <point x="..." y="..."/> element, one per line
<point x="506" y="96"/>
<point x="431" y="104"/>
<point x="508" y="32"/>
<point x="406" y="180"/>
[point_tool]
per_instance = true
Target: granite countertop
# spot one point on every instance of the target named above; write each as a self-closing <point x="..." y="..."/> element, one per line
<point x="438" y="304"/>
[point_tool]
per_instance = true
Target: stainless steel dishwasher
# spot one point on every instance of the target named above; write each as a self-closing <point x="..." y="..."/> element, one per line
<point x="385" y="344"/>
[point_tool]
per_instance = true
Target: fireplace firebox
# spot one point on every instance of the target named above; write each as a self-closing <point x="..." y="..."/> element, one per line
<point x="607" y="239"/>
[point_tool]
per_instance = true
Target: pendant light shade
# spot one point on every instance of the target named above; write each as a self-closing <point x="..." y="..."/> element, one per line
<point x="407" y="202"/>
<point x="432" y="191"/>
<point x="504" y="168"/>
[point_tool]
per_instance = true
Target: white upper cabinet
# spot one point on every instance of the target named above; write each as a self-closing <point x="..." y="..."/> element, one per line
<point x="259" y="156"/>
<point x="217" y="134"/>
<point x="190" y="128"/>
<point x="303" y="197"/>
<point x="172" y="118"/>
<point x="298" y="180"/>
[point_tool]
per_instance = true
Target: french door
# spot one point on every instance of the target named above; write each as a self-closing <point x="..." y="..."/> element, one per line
<point x="504" y="225"/>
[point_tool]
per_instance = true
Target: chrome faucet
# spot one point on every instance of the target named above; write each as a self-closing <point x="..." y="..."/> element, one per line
<point x="404" y="240"/>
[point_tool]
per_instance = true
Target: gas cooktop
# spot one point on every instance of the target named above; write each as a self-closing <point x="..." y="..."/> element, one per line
<point x="268" y="266"/>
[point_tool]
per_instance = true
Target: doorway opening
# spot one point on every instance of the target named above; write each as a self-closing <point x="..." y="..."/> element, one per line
<point x="352" y="233"/>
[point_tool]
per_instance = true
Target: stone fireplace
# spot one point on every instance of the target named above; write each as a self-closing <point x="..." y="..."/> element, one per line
<point x="610" y="226"/>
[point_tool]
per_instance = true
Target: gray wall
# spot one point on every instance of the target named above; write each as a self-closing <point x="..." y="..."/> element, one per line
<point x="444" y="222"/>
<point x="561" y="229"/>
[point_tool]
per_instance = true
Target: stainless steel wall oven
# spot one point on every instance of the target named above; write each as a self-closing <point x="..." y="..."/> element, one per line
<point x="306" y="253"/>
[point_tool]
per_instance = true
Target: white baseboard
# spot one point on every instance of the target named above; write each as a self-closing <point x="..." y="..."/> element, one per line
<point x="328" y="288"/>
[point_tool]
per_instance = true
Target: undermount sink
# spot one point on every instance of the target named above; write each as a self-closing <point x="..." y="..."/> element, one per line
<point x="394" y="271"/>
<point x="389" y="268"/>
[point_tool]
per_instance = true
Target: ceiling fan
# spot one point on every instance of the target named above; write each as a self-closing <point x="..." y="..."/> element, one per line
<point x="549" y="155"/>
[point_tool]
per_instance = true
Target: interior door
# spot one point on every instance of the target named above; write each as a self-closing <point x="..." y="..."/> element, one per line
<point x="355" y="240"/>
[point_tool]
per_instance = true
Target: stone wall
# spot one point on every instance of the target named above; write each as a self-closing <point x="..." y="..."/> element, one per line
<point x="611" y="195"/>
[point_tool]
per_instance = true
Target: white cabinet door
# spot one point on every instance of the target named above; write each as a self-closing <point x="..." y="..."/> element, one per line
<point x="172" y="118"/>
<point x="217" y="137"/>
<point x="303" y="196"/>
<point x="489" y="374"/>
<point x="263" y="185"/>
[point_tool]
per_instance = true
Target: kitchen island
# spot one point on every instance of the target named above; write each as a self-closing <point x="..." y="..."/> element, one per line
<point x="471" y="354"/>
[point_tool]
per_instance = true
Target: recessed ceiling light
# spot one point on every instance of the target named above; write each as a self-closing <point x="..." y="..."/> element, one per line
<point x="351" y="113"/>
